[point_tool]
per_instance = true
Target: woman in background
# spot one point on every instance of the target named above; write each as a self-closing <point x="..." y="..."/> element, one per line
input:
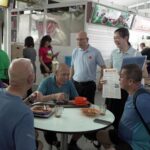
<point x="30" y="53"/>
<point x="46" y="55"/>
<point x="29" y="50"/>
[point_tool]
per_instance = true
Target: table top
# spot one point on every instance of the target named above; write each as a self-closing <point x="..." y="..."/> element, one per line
<point x="72" y="121"/>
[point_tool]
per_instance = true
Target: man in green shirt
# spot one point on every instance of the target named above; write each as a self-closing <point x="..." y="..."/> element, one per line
<point x="4" y="64"/>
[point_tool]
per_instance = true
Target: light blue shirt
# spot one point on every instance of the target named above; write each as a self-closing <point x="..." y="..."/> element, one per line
<point x="117" y="57"/>
<point x="85" y="63"/>
<point x="48" y="86"/>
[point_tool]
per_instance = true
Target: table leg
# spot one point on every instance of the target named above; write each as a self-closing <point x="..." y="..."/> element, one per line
<point x="64" y="141"/>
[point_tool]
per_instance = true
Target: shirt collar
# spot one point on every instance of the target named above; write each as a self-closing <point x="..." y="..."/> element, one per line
<point x="53" y="79"/>
<point x="87" y="50"/>
<point x="127" y="52"/>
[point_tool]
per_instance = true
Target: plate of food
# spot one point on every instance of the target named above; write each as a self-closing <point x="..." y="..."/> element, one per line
<point x="42" y="110"/>
<point x="92" y="112"/>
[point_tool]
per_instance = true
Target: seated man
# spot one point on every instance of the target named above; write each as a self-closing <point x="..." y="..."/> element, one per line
<point x="16" y="119"/>
<point x="131" y="133"/>
<point x="54" y="87"/>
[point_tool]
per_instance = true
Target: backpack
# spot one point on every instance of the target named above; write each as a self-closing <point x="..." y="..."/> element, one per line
<point x="137" y="93"/>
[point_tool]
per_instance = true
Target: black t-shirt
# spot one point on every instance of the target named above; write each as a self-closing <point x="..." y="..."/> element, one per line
<point x="146" y="51"/>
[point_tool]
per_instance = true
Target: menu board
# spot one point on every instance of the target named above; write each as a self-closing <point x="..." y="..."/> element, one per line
<point x="141" y="23"/>
<point x="111" y="17"/>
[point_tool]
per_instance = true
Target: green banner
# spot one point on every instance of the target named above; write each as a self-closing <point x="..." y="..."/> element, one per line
<point x="111" y="17"/>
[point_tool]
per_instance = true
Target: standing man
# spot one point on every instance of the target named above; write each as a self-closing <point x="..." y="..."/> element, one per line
<point x="16" y="118"/>
<point x="124" y="49"/>
<point x="85" y="59"/>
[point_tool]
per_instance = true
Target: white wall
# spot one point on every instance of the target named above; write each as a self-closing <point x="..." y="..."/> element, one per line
<point x="101" y="37"/>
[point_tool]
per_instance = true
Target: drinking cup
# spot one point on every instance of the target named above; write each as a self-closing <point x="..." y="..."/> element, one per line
<point x="58" y="111"/>
<point x="103" y="109"/>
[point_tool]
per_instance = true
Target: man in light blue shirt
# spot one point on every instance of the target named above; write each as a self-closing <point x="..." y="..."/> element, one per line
<point x="124" y="49"/>
<point x="85" y="60"/>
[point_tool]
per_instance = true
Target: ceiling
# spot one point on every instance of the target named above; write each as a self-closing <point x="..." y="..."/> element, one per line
<point x="118" y="2"/>
<point x="139" y="6"/>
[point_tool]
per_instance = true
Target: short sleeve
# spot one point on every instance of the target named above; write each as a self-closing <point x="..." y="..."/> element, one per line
<point x="41" y="52"/>
<point x="99" y="59"/>
<point x="73" y="91"/>
<point x="138" y="53"/>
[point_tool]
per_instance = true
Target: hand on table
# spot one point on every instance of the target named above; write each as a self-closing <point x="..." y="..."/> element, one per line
<point x="59" y="96"/>
<point x="37" y="96"/>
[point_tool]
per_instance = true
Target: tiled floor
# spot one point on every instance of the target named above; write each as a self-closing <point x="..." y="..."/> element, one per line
<point x="83" y="142"/>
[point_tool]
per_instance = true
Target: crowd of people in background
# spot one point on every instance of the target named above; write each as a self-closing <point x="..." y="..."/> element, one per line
<point x="17" y="78"/>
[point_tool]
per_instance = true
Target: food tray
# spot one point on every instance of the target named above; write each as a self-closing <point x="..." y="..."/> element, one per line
<point x="42" y="111"/>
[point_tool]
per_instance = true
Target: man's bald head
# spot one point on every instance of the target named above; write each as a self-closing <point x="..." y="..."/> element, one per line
<point x="82" y="34"/>
<point x="62" y="74"/>
<point x="62" y="67"/>
<point x="82" y="40"/>
<point x="21" y="72"/>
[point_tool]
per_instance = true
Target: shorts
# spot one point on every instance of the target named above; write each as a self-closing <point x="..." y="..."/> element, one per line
<point x="42" y="68"/>
<point x="119" y="143"/>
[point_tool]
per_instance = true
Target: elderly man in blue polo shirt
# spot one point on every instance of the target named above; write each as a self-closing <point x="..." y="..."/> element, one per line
<point x="54" y="87"/>
<point x="85" y="59"/>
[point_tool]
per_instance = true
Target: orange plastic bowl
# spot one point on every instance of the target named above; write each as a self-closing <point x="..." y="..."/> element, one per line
<point x="80" y="100"/>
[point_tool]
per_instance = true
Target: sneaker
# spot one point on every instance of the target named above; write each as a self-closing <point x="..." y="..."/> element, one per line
<point x="73" y="147"/>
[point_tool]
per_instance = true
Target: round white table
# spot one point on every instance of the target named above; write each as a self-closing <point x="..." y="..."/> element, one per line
<point x="71" y="121"/>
